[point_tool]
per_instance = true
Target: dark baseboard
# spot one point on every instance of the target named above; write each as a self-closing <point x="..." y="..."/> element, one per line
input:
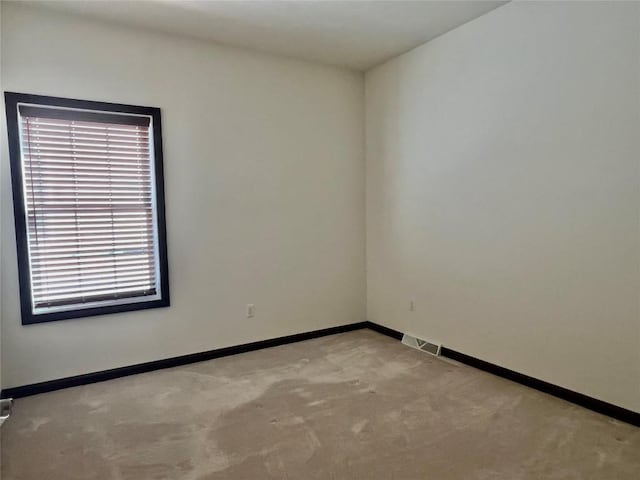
<point x="389" y="332"/>
<point x="591" y="403"/>
<point x="43" y="387"/>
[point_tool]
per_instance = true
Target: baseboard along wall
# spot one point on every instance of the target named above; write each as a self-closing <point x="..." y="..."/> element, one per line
<point x="585" y="401"/>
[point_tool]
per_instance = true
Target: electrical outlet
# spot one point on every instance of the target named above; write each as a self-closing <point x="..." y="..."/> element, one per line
<point x="251" y="310"/>
<point x="412" y="306"/>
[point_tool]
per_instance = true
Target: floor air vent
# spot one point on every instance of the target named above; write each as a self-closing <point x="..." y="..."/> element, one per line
<point x="419" y="344"/>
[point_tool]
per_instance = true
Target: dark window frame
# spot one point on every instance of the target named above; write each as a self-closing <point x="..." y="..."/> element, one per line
<point x="12" y="100"/>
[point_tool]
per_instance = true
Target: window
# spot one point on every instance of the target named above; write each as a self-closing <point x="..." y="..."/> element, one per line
<point x="88" y="202"/>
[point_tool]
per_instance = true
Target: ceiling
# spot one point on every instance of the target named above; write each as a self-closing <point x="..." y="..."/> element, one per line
<point x="354" y="34"/>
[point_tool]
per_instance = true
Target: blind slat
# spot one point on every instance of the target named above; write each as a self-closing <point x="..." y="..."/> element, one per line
<point x="44" y="254"/>
<point x="118" y="177"/>
<point x="70" y="220"/>
<point x="68" y="275"/>
<point x="82" y="177"/>
<point x="94" y="233"/>
<point x="73" y="168"/>
<point x="88" y="294"/>
<point x="37" y="122"/>
<point x="86" y="242"/>
<point x="89" y="264"/>
<point x="64" y="138"/>
<point x="87" y="135"/>
<point x="44" y="158"/>
<point x="63" y="187"/>
<point x="82" y="284"/>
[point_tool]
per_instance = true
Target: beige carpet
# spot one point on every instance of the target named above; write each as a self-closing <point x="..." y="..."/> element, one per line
<point x="352" y="406"/>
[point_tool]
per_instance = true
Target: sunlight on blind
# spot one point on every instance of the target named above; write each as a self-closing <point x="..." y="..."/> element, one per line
<point x="89" y="204"/>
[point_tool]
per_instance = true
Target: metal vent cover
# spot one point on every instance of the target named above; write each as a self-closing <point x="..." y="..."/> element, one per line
<point x="421" y="344"/>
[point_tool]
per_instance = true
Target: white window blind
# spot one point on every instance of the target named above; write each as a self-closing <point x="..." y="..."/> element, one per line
<point x="89" y="201"/>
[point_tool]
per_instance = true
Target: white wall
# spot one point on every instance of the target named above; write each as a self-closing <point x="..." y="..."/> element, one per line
<point x="264" y="178"/>
<point x="503" y="193"/>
